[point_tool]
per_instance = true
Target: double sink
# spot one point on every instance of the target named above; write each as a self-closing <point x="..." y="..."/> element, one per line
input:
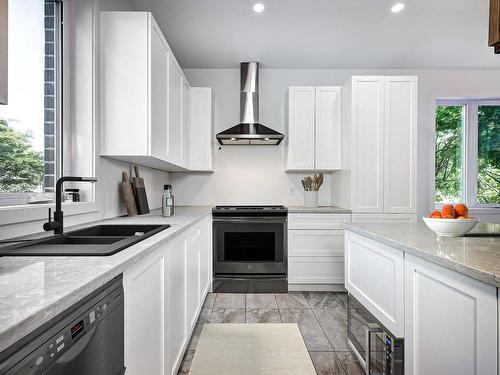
<point x="98" y="240"/>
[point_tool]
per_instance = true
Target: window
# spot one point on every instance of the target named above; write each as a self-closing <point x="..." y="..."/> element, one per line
<point x="467" y="152"/>
<point x="29" y="122"/>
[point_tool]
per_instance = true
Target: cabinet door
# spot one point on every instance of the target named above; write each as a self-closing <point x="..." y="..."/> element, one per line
<point x="316" y="270"/>
<point x="328" y="128"/>
<point x="367" y="144"/>
<point x="174" y="111"/>
<point x="206" y="258"/>
<point x="186" y="124"/>
<point x="201" y="128"/>
<point x="194" y="275"/>
<point x="158" y="134"/>
<point x="450" y="322"/>
<point x="300" y="141"/>
<point x="374" y="274"/>
<point x="143" y="287"/>
<point x="313" y="243"/>
<point x="176" y="317"/>
<point x="400" y="145"/>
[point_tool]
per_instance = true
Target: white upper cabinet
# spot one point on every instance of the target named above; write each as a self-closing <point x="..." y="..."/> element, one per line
<point x="314" y="128"/>
<point x="400" y="145"/>
<point x="328" y="127"/>
<point x="383" y="126"/>
<point x="175" y="111"/>
<point x="300" y="135"/>
<point x="201" y="129"/>
<point x="145" y="96"/>
<point x="367" y="144"/>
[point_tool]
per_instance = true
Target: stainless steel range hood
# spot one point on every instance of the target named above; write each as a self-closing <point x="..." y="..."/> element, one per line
<point x="249" y="131"/>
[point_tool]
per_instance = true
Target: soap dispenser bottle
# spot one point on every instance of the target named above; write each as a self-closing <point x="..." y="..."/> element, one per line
<point x="167" y="201"/>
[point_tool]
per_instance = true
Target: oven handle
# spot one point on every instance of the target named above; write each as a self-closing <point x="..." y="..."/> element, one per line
<point x="369" y="331"/>
<point x="249" y="219"/>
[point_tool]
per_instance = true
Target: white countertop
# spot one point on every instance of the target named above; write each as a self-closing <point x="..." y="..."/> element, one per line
<point x="477" y="257"/>
<point x="33" y="290"/>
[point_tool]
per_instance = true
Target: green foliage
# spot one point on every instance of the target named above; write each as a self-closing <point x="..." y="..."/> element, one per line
<point x="21" y="167"/>
<point x="488" y="178"/>
<point x="448" y="168"/>
<point x="448" y="161"/>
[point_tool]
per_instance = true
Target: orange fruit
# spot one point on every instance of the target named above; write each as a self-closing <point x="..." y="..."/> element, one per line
<point x="448" y="210"/>
<point x="448" y="217"/>
<point x="435" y="214"/>
<point x="461" y="209"/>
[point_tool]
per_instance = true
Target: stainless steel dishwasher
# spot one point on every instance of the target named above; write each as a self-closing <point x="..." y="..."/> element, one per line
<point x="85" y="339"/>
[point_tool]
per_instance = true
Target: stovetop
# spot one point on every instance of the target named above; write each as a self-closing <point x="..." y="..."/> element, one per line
<point x="250" y="210"/>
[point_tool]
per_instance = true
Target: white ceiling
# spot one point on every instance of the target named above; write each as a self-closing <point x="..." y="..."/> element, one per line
<point x="326" y="33"/>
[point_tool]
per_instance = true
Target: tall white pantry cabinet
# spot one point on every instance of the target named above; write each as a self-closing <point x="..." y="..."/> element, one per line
<point x="379" y="129"/>
<point x="148" y="116"/>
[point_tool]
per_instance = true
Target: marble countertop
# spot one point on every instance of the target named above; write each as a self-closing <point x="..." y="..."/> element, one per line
<point x="33" y="290"/>
<point x="318" y="210"/>
<point x="474" y="256"/>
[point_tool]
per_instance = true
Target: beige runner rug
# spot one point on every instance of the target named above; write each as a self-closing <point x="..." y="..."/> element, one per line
<point x="251" y="349"/>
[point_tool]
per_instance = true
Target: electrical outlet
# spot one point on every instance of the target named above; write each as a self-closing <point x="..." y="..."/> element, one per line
<point x="291" y="190"/>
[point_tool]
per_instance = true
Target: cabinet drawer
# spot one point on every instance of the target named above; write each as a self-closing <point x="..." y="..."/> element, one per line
<point x="316" y="270"/>
<point x="317" y="221"/>
<point x="303" y="243"/>
<point x="375" y="276"/>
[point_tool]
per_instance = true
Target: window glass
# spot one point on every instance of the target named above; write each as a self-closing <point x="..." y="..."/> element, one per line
<point x="28" y="121"/>
<point x="448" y="157"/>
<point x="488" y="161"/>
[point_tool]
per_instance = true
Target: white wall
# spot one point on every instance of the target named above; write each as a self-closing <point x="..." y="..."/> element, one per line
<point x="255" y="174"/>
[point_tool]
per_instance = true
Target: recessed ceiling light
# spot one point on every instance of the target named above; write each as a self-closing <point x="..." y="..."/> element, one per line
<point x="258" y="7"/>
<point x="398" y="7"/>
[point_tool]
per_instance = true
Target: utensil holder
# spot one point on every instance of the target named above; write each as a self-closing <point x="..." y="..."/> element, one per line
<point x="310" y="199"/>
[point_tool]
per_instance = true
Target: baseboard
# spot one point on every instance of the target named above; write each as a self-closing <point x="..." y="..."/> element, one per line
<point x="316" y="288"/>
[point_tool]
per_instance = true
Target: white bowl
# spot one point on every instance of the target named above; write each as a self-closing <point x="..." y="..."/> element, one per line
<point x="450" y="227"/>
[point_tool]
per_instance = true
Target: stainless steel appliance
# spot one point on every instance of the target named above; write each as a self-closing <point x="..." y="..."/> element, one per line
<point x="87" y="339"/>
<point x="249" y="131"/>
<point x="167" y="201"/>
<point x="250" y="249"/>
<point x="378" y="351"/>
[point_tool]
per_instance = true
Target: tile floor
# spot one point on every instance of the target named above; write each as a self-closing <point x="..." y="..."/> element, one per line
<point x="321" y="317"/>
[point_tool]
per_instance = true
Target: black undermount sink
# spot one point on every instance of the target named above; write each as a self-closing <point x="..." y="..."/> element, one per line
<point x="99" y="240"/>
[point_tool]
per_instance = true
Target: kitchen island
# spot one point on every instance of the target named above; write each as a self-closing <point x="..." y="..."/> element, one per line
<point x="439" y="294"/>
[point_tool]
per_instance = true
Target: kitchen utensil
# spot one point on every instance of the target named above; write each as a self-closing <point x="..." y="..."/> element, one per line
<point x="140" y="193"/>
<point x="128" y="195"/>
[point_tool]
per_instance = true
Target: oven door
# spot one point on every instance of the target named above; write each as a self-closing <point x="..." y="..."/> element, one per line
<point x="377" y="350"/>
<point x="250" y="245"/>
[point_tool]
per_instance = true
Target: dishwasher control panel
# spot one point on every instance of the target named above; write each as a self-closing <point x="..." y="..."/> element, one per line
<point x="57" y="344"/>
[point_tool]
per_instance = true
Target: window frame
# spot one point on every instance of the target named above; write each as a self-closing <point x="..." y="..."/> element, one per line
<point x="59" y="51"/>
<point x="469" y="152"/>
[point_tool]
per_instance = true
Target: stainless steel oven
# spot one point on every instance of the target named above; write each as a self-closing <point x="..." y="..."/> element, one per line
<point x="378" y="351"/>
<point x="250" y="248"/>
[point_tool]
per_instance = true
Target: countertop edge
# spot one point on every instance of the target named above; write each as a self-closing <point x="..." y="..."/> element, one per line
<point x="483" y="276"/>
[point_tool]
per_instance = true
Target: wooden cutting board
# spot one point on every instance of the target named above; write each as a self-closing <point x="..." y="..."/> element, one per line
<point x="140" y="193"/>
<point x="128" y="195"/>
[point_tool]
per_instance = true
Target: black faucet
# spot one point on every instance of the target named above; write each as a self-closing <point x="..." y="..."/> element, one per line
<point x="57" y="225"/>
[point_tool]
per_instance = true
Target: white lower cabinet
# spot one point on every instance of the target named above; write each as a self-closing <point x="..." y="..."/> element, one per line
<point x="450" y="322"/>
<point x="374" y="275"/>
<point x="163" y="296"/>
<point x="316" y="248"/>
<point x="176" y="316"/>
<point x="144" y="316"/>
